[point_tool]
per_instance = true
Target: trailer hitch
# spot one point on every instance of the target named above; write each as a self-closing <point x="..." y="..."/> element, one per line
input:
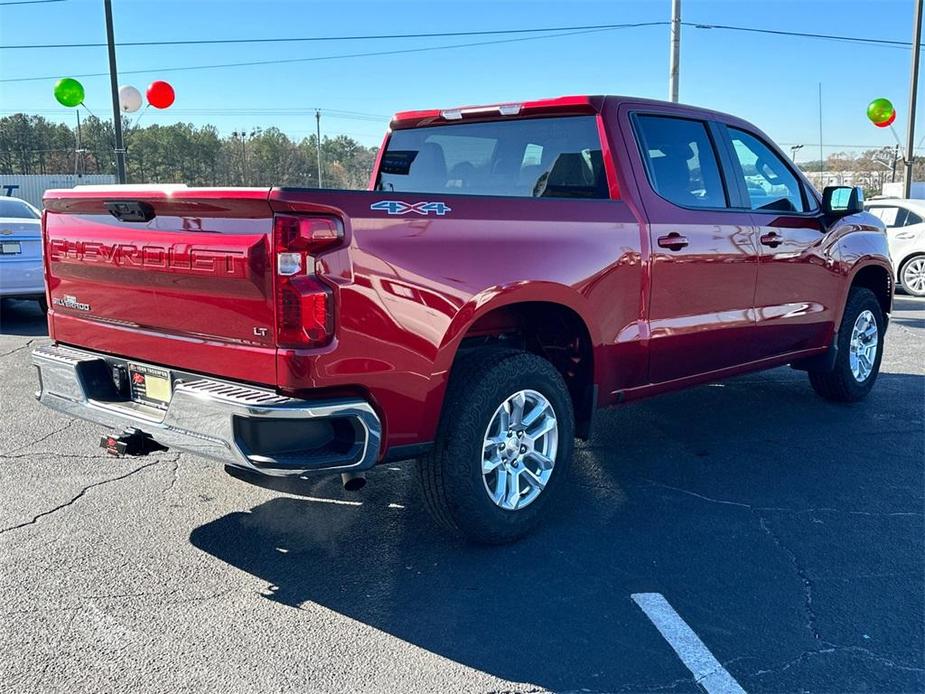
<point x="130" y="442"/>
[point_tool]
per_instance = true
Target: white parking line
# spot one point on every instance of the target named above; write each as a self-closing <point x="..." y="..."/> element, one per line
<point x="341" y="502"/>
<point x="708" y="672"/>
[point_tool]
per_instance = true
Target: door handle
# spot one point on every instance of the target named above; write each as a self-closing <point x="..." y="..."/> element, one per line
<point x="674" y="241"/>
<point x="772" y="239"/>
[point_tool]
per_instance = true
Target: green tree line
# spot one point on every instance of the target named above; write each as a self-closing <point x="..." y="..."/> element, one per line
<point x="182" y="153"/>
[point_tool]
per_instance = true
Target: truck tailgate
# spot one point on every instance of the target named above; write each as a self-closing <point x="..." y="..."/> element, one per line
<point x="165" y="274"/>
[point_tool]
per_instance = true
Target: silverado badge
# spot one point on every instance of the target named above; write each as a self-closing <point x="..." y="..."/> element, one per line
<point x="68" y="301"/>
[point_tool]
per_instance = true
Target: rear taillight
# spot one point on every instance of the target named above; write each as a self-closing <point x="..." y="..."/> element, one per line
<point x="304" y="304"/>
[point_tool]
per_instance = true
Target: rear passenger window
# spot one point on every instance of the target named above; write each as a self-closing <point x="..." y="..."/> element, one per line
<point x="771" y="185"/>
<point x="540" y="158"/>
<point x="891" y="217"/>
<point x="681" y="161"/>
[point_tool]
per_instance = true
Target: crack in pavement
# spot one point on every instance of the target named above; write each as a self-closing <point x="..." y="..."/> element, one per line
<point x="630" y="688"/>
<point x="176" y="475"/>
<point x="802" y="573"/>
<point x="812" y="621"/>
<point x="18" y="349"/>
<point x="783" y="509"/>
<point x="834" y="648"/>
<point x="76" y="498"/>
<point x="70" y="423"/>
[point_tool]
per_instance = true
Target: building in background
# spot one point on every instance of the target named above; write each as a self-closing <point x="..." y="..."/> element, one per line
<point x="895" y="190"/>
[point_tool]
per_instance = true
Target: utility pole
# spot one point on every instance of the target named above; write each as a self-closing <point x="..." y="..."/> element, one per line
<point x="674" y="62"/>
<point x="821" y="158"/>
<point x="895" y="159"/>
<point x="243" y="158"/>
<point x="913" y="93"/>
<point x="793" y="152"/>
<point x="243" y="135"/>
<point x="77" y="150"/>
<point x="114" y="84"/>
<point x="318" y="142"/>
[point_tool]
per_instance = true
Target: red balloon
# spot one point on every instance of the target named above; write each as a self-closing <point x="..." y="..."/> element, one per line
<point x="160" y="94"/>
<point x="887" y="122"/>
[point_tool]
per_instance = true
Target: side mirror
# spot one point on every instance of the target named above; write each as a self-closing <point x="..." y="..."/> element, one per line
<point x="840" y="201"/>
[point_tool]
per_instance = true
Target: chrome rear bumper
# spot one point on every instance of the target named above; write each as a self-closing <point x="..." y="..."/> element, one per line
<point x="212" y="418"/>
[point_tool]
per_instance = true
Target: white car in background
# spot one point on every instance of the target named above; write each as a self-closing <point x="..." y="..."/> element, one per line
<point x="905" y="228"/>
<point x="21" y="272"/>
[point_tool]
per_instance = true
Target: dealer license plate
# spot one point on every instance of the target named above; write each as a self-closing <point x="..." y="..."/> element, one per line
<point x="149" y="385"/>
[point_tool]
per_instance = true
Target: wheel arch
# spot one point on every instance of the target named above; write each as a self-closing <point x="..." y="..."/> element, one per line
<point x="878" y="277"/>
<point x="545" y="318"/>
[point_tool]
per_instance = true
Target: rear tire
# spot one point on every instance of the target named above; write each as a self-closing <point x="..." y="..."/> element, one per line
<point x="858" y="361"/>
<point x="485" y="385"/>
<point x="912" y="275"/>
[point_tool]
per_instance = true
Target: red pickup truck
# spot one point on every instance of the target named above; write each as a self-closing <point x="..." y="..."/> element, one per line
<point x="511" y="269"/>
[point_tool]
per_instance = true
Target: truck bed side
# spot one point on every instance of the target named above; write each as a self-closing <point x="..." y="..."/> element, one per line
<point x="410" y="286"/>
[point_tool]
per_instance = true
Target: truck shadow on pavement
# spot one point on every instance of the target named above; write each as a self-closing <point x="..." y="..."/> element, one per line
<point x="763" y="538"/>
<point x="22" y="318"/>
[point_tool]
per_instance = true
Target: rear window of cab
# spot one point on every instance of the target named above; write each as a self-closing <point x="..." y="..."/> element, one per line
<point x="540" y="158"/>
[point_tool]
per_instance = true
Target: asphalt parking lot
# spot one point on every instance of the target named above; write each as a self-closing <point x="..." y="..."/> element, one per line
<point x="787" y="532"/>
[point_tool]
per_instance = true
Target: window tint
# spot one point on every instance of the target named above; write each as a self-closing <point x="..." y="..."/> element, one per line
<point x="11" y="207"/>
<point x="541" y="157"/>
<point x="771" y="185"/>
<point x="681" y="162"/>
<point x="912" y="218"/>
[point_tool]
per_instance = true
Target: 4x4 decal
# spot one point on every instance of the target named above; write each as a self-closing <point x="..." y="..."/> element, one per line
<point x="402" y="207"/>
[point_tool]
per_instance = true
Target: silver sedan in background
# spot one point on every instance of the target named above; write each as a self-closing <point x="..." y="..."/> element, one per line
<point x="905" y="228"/>
<point x="21" y="273"/>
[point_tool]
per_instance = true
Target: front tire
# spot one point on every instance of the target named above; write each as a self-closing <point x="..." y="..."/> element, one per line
<point x="860" y="350"/>
<point x="505" y="442"/>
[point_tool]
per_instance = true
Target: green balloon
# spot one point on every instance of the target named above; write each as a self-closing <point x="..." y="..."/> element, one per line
<point x="880" y="110"/>
<point x="69" y="92"/>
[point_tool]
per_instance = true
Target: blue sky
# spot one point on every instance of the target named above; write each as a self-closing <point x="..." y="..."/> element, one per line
<point x="771" y="81"/>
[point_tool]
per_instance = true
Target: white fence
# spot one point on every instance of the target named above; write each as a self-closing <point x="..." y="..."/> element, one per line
<point x="32" y="188"/>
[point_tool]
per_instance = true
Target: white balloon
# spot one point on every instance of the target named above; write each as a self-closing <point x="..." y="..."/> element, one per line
<point x="129" y="99"/>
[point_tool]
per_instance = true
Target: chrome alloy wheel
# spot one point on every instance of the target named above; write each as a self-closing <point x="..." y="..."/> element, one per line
<point x="862" y="350"/>
<point x="519" y="449"/>
<point x="913" y="277"/>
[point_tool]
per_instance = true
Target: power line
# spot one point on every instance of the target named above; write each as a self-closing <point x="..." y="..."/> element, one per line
<point x="370" y="54"/>
<point x="232" y="112"/>
<point x="423" y="49"/>
<point x="29" y="2"/>
<point x="448" y="34"/>
<point x="826" y="37"/>
<point x="367" y="37"/>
